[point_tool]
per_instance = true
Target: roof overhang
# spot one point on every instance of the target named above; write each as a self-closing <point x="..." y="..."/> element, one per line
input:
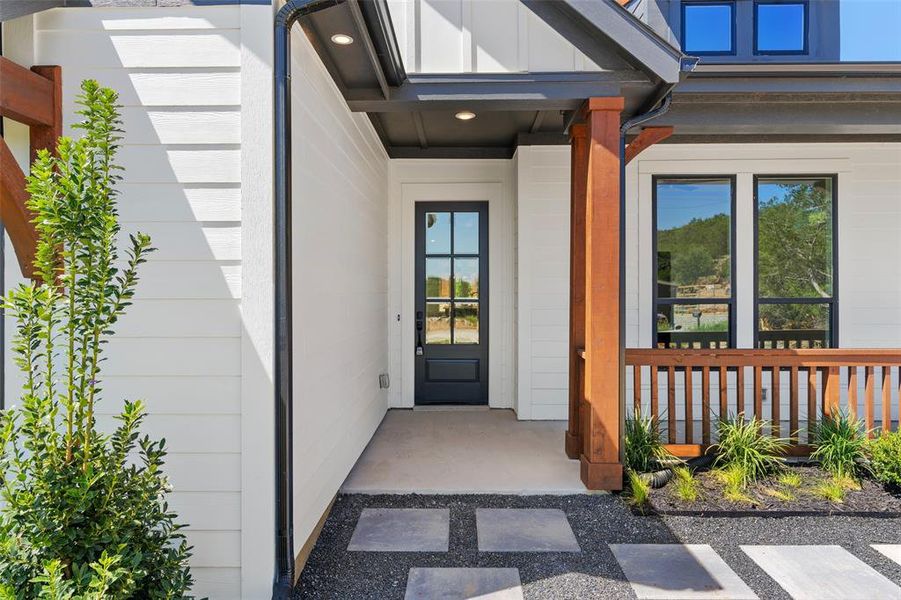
<point x="414" y="113"/>
<point x="592" y="25"/>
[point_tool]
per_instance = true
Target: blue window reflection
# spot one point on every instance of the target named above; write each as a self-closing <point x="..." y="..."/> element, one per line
<point x="707" y="27"/>
<point x="780" y="27"/>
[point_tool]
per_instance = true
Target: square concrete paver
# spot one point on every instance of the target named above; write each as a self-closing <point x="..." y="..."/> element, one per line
<point x="524" y="530"/>
<point x="687" y="572"/>
<point x="892" y="551"/>
<point x="822" y="573"/>
<point x="461" y="584"/>
<point x="401" y="530"/>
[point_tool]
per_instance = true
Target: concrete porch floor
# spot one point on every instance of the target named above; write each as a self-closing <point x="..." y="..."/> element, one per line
<point x="458" y="451"/>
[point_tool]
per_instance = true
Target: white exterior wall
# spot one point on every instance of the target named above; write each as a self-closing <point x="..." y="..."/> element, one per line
<point x="869" y="244"/>
<point x="189" y="339"/>
<point x="340" y="285"/>
<point x="475" y="36"/>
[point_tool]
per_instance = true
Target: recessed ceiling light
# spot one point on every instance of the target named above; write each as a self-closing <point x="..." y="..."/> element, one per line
<point x="465" y="115"/>
<point x="342" y="39"/>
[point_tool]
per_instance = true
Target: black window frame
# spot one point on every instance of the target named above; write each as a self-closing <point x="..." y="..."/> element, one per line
<point x="832" y="302"/>
<point x="733" y="26"/>
<point x="730" y="301"/>
<point x="806" y="35"/>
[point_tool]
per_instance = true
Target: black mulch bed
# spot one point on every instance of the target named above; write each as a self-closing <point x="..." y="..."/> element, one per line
<point x="597" y="520"/>
<point x="872" y="499"/>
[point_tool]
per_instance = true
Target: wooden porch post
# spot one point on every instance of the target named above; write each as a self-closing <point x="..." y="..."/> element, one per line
<point x="579" y="184"/>
<point x="601" y="466"/>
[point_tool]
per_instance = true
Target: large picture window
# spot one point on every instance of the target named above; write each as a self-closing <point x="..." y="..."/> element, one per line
<point x="693" y="262"/>
<point x="795" y="259"/>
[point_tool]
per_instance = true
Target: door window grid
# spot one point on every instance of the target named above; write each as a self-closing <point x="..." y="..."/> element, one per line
<point x="452" y="301"/>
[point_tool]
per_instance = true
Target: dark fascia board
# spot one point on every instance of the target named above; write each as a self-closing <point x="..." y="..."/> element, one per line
<point x="13" y="9"/>
<point x="798" y="69"/>
<point x="860" y="84"/>
<point x="591" y="24"/>
<point x="532" y="91"/>
<point x="757" y="115"/>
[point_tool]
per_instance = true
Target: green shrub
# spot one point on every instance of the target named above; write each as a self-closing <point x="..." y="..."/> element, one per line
<point x="885" y="458"/>
<point x="734" y="482"/>
<point x="643" y="448"/>
<point x="831" y="489"/>
<point x="639" y="490"/>
<point x="743" y="447"/>
<point x="686" y="486"/>
<point x="840" y="443"/>
<point x="84" y="514"/>
<point x="789" y="479"/>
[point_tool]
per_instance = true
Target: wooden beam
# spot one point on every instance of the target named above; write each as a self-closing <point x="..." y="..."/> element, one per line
<point x="25" y="96"/>
<point x="645" y="139"/>
<point x="45" y="135"/>
<point x="578" y="187"/>
<point x="601" y="466"/>
<point x="16" y="217"/>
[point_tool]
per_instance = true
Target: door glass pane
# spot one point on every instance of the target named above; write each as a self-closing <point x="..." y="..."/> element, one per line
<point x="437" y="277"/>
<point x="794" y="237"/>
<point x="437" y="323"/>
<point x="437" y="233"/>
<point x="692" y="325"/>
<point x="794" y="326"/>
<point x="466" y="233"/>
<point x="466" y="323"/>
<point x="466" y="278"/>
<point x="694" y="237"/>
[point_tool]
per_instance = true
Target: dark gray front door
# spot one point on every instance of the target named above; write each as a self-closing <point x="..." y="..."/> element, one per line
<point x="452" y="303"/>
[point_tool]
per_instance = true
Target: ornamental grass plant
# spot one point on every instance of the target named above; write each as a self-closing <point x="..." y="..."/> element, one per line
<point x="745" y="451"/>
<point x="84" y="514"/>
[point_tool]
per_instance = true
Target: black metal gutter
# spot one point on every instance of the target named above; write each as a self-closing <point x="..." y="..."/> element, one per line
<point x="283" y="586"/>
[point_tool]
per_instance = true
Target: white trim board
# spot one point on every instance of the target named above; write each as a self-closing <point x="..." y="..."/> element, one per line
<point x="458" y="181"/>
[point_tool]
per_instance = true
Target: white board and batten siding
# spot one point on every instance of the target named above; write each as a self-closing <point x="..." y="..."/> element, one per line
<point x="473" y="36"/>
<point x="340" y="199"/>
<point x="868" y="222"/>
<point x="178" y="73"/>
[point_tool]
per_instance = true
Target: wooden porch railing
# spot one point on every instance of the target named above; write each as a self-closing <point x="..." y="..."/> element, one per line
<point x="690" y="389"/>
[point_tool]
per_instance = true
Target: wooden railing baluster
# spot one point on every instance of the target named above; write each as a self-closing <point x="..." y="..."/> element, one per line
<point x="671" y="405"/>
<point x="705" y="404"/>
<point x="758" y="392"/>
<point x="740" y="390"/>
<point x="689" y="408"/>
<point x="811" y="403"/>
<point x="724" y="397"/>
<point x="636" y="389"/>
<point x="886" y="399"/>
<point x="654" y="391"/>
<point x="868" y="399"/>
<point x="852" y="392"/>
<point x="775" y="407"/>
<point x="793" y="406"/>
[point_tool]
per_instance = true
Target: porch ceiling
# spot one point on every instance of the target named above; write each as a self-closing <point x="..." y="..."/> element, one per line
<point x="414" y="115"/>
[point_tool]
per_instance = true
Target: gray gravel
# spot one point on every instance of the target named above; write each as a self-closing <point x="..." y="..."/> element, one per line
<point x="597" y="520"/>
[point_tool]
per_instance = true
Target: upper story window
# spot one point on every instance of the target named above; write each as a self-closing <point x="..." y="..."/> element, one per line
<point x="795" y="235"/>
<point x="693" y="240"/>
<point x="780" y="27"/>
<point x="708" y="27"/>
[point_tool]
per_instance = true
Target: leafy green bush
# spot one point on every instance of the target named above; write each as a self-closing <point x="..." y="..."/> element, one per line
<point x="840" y="444"/>
<point x="741" y="446"/>
<point x="686" y="486"/>
<point x="84" y="513"/>
<point x="643" y="449"/>
<point x="639" y="490"/>
<point x="885" y="458"/>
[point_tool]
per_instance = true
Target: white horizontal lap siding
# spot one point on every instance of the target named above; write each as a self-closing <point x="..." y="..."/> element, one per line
<point x="177" y="71"/>
<point x="340" y="286"/>
<point x="463" y="36"/>
<point x="543" y="183"/>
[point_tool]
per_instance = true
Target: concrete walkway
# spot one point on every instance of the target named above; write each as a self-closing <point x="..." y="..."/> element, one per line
<point x="459" y="451"/>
